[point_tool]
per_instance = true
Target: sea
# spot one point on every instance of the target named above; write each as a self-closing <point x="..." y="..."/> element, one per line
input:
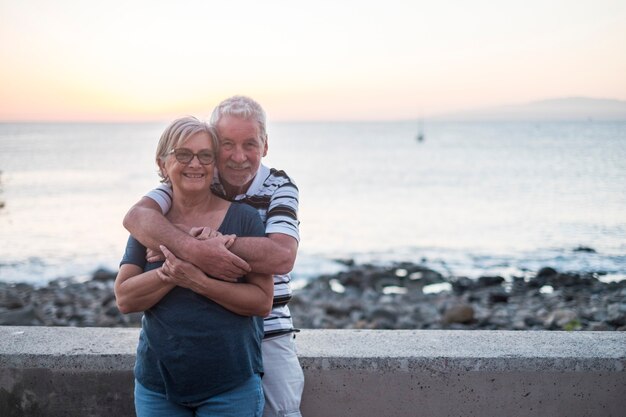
<point x="470" y="199"/>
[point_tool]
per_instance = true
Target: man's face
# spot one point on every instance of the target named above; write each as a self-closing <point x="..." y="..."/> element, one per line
<point x="241" y="150"/>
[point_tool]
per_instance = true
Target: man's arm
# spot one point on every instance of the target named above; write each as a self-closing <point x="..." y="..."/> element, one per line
<point x="148" y="225"/>
<point x="275" y="254"/>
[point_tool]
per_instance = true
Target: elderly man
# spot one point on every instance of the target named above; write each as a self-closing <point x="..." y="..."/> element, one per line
<point x="241" y="126"/>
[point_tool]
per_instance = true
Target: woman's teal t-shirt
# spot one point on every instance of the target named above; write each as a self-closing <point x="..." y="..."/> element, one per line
<point x="191" y="348"/>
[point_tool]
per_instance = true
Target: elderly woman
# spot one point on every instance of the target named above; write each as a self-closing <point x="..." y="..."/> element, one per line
<point x="199" y="350"/>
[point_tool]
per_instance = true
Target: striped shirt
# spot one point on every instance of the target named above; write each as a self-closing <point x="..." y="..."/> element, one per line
<point x="275" y="196"/>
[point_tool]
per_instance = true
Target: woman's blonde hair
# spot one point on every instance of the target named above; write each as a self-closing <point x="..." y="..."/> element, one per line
<point x="177" y="133"/>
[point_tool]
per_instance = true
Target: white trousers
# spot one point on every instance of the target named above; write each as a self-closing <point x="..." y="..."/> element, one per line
<point x="283" y="380"/>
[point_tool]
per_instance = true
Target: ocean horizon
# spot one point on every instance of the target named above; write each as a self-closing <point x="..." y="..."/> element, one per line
<point x="471" y="199"/>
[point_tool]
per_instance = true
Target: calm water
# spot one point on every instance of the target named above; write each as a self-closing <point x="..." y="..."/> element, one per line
<point x="472" y="198"/>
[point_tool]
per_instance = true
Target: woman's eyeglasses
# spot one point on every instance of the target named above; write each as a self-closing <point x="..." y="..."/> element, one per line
<point x="184" y="156"/>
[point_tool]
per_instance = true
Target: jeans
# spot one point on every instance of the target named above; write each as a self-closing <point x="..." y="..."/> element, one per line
<point x="244" y="401"/>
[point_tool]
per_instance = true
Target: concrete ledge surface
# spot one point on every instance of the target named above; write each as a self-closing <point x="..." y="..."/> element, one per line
<point x="59" y="371"/>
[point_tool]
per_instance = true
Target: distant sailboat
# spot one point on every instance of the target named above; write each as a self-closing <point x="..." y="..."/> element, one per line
<point x="420" y="131"/>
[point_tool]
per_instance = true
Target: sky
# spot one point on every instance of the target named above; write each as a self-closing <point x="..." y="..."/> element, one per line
<point x="144" y="60"/>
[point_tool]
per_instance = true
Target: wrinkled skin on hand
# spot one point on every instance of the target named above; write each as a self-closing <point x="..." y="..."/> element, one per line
<point x="200" y="233"/>
<point x="177" y="271"/>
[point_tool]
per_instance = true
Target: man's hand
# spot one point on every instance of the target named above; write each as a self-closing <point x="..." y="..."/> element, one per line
<point x="213" y="257"/>
<point x="200" y="233"/>
<point x="204" y="233"/>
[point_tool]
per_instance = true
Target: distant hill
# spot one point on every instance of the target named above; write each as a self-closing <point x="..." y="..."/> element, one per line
<point x="574" y="108"/>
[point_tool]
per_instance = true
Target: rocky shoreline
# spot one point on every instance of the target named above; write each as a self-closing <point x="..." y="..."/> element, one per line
<point x="401" y="296"/>
<point x="409" y="296"/>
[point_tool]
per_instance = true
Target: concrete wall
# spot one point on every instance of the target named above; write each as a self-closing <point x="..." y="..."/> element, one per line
<point x="47" y="371"/>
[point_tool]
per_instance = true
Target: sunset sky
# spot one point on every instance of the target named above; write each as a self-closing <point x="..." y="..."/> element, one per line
<point x="324" y="60"/>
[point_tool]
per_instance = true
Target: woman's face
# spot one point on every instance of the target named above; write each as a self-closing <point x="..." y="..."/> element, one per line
<point x="191" y="176"/>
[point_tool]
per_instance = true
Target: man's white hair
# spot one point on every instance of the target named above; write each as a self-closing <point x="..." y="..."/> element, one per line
<point x="244" y="107"/>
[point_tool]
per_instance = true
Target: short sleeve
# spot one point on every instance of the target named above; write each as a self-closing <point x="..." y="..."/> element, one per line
<point x="251" y="223"/>
<point x="243" y="221"/>
<point x="162" y="195"/>
<point x="282" y="213"/>
<point x="134" y="254"/>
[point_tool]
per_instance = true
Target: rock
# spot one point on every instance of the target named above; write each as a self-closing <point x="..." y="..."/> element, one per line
<point x="384" y="314"/>
<point x="462" y="284"/>
<point x="346" y="262"/>
<point x="461" y="313"/>
<point x="63" y="299"/>
<point x="542" y="276"/>
<point x="424" y="275"/>
<point x="405" y="322"/>
<point x="586" y="249"/>
<point x="338" y="309"/>
<point x="487" y="281"/>
<point x="518" y="285"/>
<point x="569" y="280"/>
<point x="519" y="325"/>
<point x="532" y="322"/>
<point x="560" y="318"/>
<point x="103" y="275"/>
<point x="599" y="327"/>
<point x="569" y="301"/>
<point x="426" y="313"/>
<point x="498" y="297"/>
<point x="11" y="300"/>
<point x="616" y="314"/>
<point x="501" y="317"/>
<point x="24" y="316"/>
<point x="382" y="283"/>
<point x="356" y="279"/>
<point x="546" y="272"/>
<point x="382" y="324"/>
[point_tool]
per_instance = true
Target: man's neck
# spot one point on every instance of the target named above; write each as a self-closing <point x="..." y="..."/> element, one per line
<point x="233" y="191"/>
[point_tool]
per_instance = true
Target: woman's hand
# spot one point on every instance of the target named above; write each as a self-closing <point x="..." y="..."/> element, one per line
<point x="177" y="271"/>
<point x="154" y="255"/>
